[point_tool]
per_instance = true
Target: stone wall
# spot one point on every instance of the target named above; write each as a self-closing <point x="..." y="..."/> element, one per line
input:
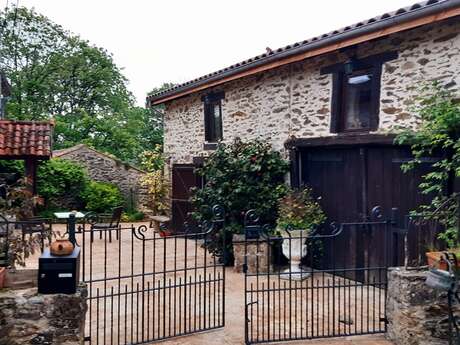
<point x="104" y="168"/>
<point x="256" y="251"/>
<point x="27" y="317"/>
<point x="295" y="100"/>
<point x="417" y="314"/>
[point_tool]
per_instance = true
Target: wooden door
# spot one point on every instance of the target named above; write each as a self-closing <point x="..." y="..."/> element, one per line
<point x="388" y="186"/>
<point x="183" y="179"/>
<point x="335" y="176"/>
<point x="351" y="181"/>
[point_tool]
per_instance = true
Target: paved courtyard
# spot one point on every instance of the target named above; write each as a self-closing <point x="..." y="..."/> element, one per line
<point x="121" y="311"/>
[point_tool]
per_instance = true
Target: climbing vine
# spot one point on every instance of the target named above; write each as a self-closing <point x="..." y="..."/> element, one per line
<point x="438" y="134"/>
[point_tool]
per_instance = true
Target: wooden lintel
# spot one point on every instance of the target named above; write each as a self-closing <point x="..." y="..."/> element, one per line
<point x="319" y="51"/>
<point x="342" y="140"/>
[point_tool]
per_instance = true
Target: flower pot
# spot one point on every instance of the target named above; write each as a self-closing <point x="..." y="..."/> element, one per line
<point x="436" y="259"/>
<point x="61" y="247"/>
<point x="164" y="233"/>
<point x="2" y="277"/>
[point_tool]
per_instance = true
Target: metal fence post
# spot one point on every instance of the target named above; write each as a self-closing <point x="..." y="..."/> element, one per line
<point x="71" y="229"/>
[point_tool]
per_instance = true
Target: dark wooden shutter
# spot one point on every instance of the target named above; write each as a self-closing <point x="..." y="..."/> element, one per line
<point x="183" y="179"/>
<point x="336" y="101"/>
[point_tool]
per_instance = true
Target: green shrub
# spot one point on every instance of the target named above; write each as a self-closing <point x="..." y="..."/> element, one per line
<point x="12" y="166"/>
<point x="239" y="177"/>
<point x="132" y="216"/>
<point x="101" y="196"/>
<point x="60" y="182"/>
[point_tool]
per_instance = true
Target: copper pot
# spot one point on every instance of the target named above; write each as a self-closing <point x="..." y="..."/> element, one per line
<point x="61" y="247"/>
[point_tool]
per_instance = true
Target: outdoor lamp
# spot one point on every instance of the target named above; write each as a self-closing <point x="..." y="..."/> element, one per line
<point x="350" y="65"/>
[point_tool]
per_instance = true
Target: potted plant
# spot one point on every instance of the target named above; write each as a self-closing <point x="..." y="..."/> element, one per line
<point x="18" y="204"/>
<point x="436" y="258"/>
<point x="299" y="213"/>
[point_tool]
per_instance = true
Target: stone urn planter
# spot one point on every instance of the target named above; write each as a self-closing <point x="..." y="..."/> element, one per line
<point x="294" y="248"/>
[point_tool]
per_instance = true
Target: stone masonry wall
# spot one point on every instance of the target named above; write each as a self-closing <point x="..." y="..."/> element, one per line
<point x="27" y="317"/>
<point x="256" y="253"/>
<point x="103" y="168"/>
<point x="295" y="100"/>
<point x="417" y="314"/>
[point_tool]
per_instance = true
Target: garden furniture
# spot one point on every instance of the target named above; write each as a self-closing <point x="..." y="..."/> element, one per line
<point x="107" y="222"/>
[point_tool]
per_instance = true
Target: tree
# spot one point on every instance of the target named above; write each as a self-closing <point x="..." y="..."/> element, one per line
<point x="56" y="74"/>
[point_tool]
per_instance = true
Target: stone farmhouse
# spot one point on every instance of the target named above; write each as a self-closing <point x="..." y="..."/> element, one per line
<point x="331" y="104"/>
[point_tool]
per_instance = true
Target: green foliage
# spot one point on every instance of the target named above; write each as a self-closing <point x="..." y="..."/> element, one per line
<point x="101" y="197"/>
<point x="59" y="179"/>
<point x="242" y="176"/>
<point x="152" y="160"/>
<point x="439" y="132"/>
<point x="12" y="166"/>
<point x="299" y="210"/>
<point x="154" y="181"/>
<point x="132" y="216"/>
<point x="56" y="74"/>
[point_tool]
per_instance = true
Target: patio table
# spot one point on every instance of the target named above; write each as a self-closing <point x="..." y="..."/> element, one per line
<point x="71" y="218"/>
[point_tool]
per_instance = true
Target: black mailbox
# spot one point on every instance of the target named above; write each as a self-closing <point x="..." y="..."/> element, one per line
<point x="58" y="274"/>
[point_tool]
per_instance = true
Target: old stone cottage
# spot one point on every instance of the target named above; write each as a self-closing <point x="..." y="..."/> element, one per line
<point x="331" y="104"/>
<point x="105" y="168"/>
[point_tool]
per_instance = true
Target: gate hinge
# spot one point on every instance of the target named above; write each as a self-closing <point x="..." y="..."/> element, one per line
<point x="384" y="319"/>
<point x="245" y="268"/>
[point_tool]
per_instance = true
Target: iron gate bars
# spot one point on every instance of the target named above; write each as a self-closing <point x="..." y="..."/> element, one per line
<point x="144" y="287"/>
<point x="338" y="288"/>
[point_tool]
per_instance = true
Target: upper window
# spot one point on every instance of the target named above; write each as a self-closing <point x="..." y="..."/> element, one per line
<point x="213" y="117"/>
<point x="358" y="96"/>
<point x="356" y="93"/>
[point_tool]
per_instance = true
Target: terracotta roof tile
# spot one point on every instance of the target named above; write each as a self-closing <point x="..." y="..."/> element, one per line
<point x="26" y="138"/>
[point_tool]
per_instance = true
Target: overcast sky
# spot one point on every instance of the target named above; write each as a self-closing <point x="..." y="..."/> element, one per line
<point x="175" y="41"/>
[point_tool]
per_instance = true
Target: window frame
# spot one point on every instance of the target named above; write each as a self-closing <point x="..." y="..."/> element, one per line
<point x="210" y="101"/>
<point x="375" y="71"/>
<point x="372" y="64"/>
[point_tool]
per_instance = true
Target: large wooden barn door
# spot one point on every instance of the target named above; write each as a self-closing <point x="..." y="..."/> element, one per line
<point x="351" y="181"/>
<point x="183" y="179"/>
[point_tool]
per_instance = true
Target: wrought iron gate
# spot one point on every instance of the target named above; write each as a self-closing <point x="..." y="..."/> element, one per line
<point x="144" y="287"/>
<point x="338" y="289"/>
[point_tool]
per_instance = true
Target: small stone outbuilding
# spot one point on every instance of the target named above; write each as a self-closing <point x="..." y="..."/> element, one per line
<point x="103" y="167"/>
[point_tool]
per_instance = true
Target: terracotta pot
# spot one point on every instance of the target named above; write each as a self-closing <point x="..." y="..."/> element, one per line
<point x="165" y="233"/>
<point x="435" y="259"/>
<point x="61" y="247"/>
<point x="2" y="277"/>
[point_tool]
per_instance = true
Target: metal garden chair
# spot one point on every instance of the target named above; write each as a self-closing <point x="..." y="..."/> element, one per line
<point x="107" y="222"/>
